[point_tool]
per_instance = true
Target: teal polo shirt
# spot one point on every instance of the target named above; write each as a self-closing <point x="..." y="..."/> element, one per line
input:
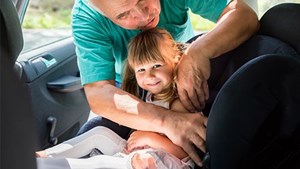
<point x="101" y="45"/>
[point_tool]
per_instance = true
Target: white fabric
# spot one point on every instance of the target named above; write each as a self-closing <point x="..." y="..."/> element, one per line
<point x="163" y="160"/>
<point x="102" y="138"/>
<point x="111" y="145"/>
<point x="157" y="102"/>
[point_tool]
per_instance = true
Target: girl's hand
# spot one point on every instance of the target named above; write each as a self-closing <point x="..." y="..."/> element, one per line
<point x="146" y="139"/>
<point x="139" y="140"/>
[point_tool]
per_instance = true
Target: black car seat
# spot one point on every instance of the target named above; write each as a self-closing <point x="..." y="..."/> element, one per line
<point x="224" y="66"/>
<point x="18" y="130"/>
<point x="283" y="22"/>
<point x="17" y="126"/>
<point x="17" y="121"/>
<point x="254" y="121"/>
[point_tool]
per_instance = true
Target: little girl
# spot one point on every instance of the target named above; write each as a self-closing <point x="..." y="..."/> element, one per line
<point x="152" y="59"/>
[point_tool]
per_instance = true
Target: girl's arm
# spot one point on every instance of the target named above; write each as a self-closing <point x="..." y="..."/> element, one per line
<point x="176" y="105"/>
<point x="116" y="105"/>
<point x="145" y="139"/>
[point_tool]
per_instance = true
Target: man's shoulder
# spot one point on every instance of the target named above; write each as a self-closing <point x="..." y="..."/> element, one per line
<point x="82" y="9"/>
<point x="173" y="4"/>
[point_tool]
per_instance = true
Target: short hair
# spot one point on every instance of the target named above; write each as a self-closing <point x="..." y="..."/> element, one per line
<point x="91" y="4"/>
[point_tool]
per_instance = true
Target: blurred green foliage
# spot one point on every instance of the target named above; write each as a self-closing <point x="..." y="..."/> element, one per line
<point x="57" y="14"/>
<point x="62" y="18"/>
<point x="201" y="24"/>
<point x="37" y="19"/>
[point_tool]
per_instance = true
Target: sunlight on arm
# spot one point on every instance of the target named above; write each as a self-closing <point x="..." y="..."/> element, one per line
<point x="126" y="103"/>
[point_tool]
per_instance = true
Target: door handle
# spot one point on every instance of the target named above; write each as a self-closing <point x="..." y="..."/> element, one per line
<point x="51" y="124"/>
<point x="65" y="84"/>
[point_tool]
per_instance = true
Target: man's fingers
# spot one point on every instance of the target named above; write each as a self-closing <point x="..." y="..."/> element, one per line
<point x="194" y="98"/>
<point x="206" y="90"/>
<point x="202" y="129"/>
<point x="184" y="99"/>
<point x="203" y="94"/>
<point x="198" y="142"/>
<point x="201" y="98"/>
<point x="198" y="138"/>
<point x="190" y="150"/>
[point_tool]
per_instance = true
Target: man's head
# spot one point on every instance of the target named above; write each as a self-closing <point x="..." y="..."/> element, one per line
<point x="130" y="14"/>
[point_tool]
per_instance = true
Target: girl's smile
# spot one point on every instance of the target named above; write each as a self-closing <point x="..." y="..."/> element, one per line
<point x="154" y="76"/>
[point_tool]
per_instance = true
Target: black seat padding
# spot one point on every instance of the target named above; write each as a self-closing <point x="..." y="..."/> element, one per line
<point x="224" y="66"/>
<point x="255" y="119"/>
<point x="18" y="130"/>
<point x="18" y="139"/>
<point x="11" y="33"/>
<point x="283" y="22"/>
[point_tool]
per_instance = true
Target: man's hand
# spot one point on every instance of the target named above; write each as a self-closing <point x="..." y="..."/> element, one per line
<point x="187" y="130"/>
<point x="194" y="67"/>
<point x="193" y="72"/>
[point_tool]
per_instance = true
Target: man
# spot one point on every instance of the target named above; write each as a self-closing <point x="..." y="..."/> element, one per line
<point x="102" y="30"/>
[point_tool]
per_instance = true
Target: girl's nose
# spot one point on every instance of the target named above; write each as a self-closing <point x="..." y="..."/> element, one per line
<point x="150" y="74"/>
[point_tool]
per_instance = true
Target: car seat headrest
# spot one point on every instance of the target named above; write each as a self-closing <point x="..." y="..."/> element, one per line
<point x="11" y="43"/>
<point x="283" y="22"/>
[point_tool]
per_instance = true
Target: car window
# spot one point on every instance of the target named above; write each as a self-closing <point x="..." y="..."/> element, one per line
<point x="45" y="22"/>
<point x="264" y="5"/>
<point x="48" y="21"/>
<point x="259" y="6"/>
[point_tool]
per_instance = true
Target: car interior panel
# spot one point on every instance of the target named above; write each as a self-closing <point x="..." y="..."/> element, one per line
<point x="52" y="80"/>
<point x="18" y="137"/>
<point x="267" y="135"/>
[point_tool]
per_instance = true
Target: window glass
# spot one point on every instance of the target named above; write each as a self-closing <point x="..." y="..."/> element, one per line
<point x="259" y="6"/>
<point x="264" y="5"/>
<point x="45" y="22"/>
<point x="48" y="21"/>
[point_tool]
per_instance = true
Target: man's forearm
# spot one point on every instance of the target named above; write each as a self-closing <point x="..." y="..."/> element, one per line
<point x="236" y="24"/>
<point x="119" y="106"/>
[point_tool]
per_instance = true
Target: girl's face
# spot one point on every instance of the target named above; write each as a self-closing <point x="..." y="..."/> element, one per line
<point x="154" y="76"/>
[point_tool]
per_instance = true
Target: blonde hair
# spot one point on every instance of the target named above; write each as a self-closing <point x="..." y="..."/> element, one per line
<point x="144" y="48"/>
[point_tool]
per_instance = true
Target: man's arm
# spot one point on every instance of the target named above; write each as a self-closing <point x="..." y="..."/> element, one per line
<point x="121" y="107"/>
<point x="236" y="24"/>
<point x="184" y="129"/>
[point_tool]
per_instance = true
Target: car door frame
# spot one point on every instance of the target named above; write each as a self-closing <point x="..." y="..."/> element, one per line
<point x="52" y="79"/>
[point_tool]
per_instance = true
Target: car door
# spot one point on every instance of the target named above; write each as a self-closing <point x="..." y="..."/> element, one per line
<point x="48" y="67"/>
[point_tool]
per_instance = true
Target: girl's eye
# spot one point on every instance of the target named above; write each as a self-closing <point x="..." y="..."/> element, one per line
<point x="140" y="70"/>
<point x="157" y="66"/>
